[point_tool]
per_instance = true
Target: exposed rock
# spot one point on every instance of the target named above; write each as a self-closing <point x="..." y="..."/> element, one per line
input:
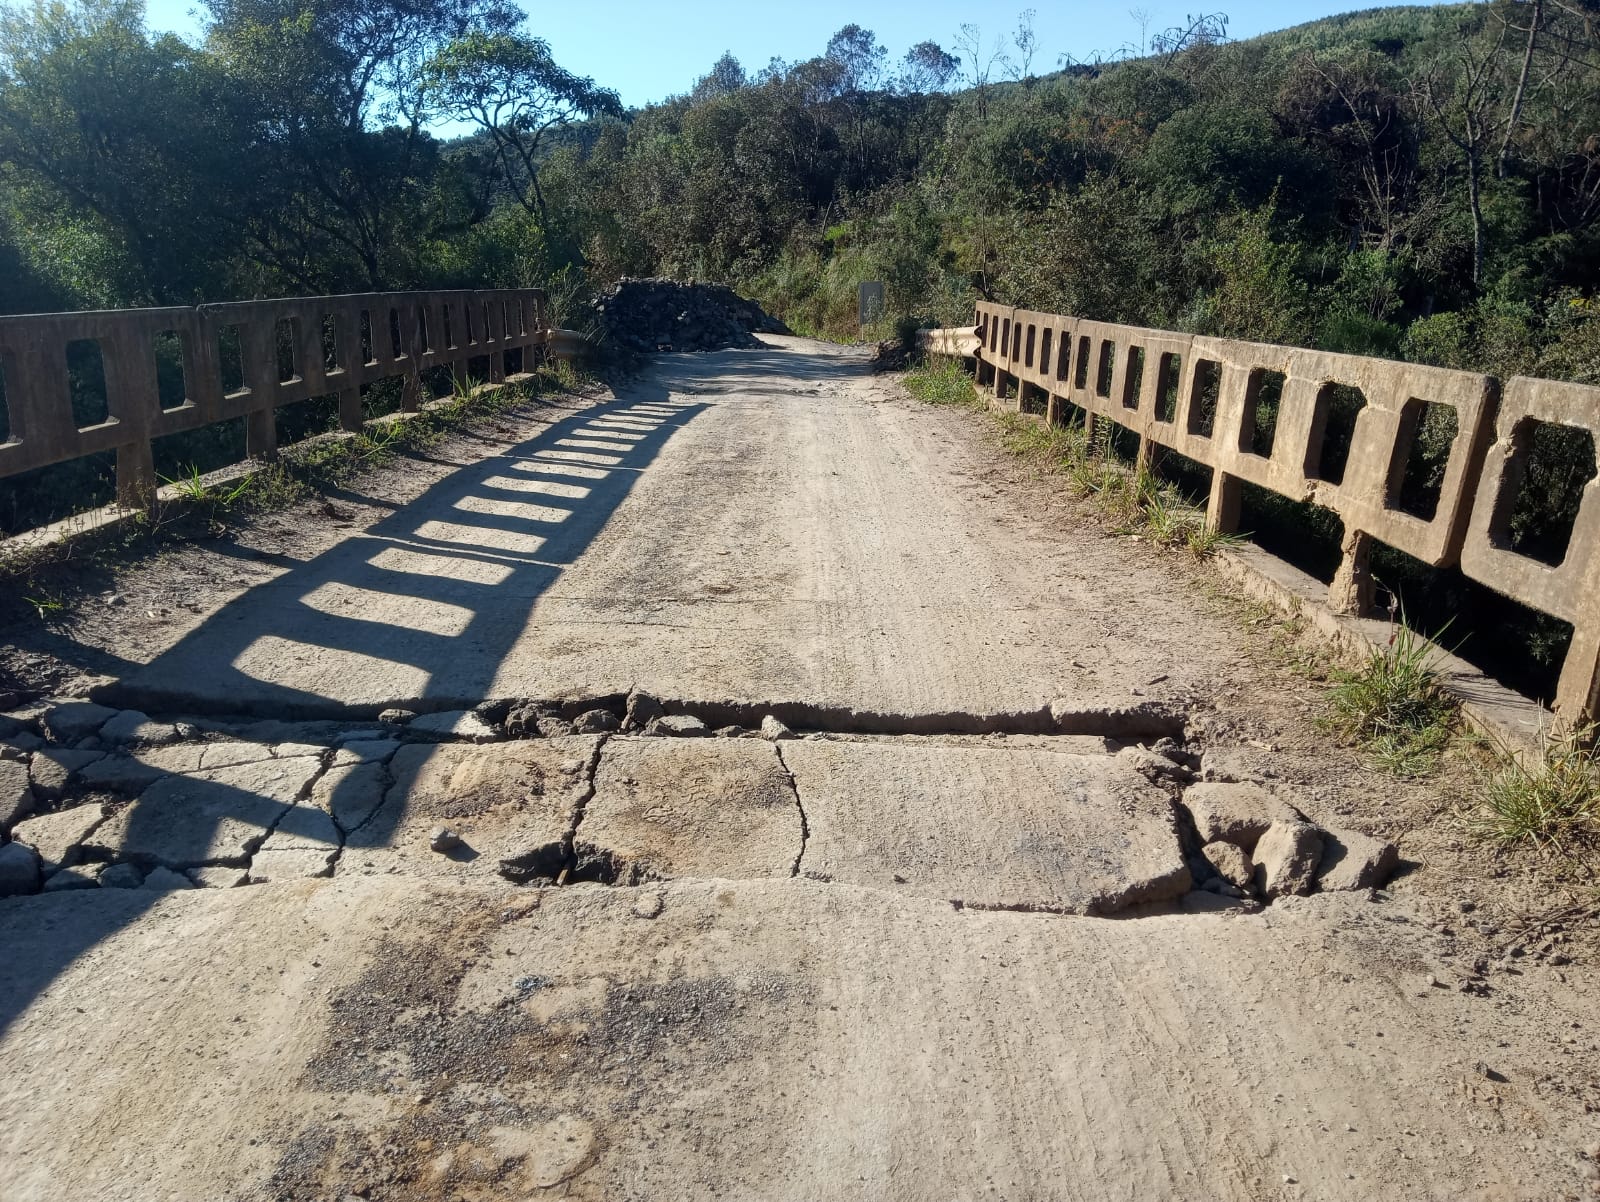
<point x="728" y="732"/>
<point x="73" y="720"/>
<point x="121" y="876"/>
<point x="19" y="870"/>
<point x="1352" y="860"/>
<point x="649" y="905"/>
<point x="132" y="728"/>
<point x="64" y="879"/>
<point x="396" y="717"/>
<point x="775" y="730"/>
<point x="1236" y="813"/>
<point x="164" y="880"/>
<point x="642" y="710"/>
<point x="442" y="839"/>
<point x="551" y="726"/>
<point x="453" y="724"/>
<point x="52" y="769"/>
<point x="594" y="722"/>
<point x="16" y="794"/>
<point x="1231" y="861"/>
<point x="58" y="836"/>
<point x="1286" y="859"/>
<point x="665" y="315"/>
<point x="683" y="726"/>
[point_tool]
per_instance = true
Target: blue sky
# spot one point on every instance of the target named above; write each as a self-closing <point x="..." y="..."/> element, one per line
<point x="649" y="49"/>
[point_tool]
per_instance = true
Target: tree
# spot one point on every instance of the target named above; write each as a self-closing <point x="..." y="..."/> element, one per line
<point x="510" y="86"/>
<point x="859" y="57"/>
<point x="119" y="151"/>
<point x="926" y="68"/>
<point x="725" y="78"/>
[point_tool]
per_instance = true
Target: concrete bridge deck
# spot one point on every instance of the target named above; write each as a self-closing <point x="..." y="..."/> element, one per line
<point x="950" y="942"/>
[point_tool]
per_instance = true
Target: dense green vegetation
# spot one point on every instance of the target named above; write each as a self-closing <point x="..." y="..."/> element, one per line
<point x="1410" y="182"/>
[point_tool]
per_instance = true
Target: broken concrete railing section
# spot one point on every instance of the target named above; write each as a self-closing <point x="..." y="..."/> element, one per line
<point x="626" y="791"/>
<point x="1428" y="461"/>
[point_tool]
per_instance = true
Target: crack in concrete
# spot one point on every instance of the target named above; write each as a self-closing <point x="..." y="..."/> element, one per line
<point x="805" y="825"/>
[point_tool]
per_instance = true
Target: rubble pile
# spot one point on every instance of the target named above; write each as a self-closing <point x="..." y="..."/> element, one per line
<point x="665" y="315"/>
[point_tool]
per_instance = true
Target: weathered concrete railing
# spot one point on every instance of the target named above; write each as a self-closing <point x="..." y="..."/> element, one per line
<point x="1344" y="434"/>
<point x="238" y="360"/>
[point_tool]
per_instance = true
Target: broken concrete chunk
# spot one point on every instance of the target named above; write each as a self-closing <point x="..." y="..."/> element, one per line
<point x="20" y="745"/>
<point x="291" y="864"/>
<point x="227" y="754"/>
<point x="64" y="879"/>
<point x="366" y="751"/>
<point x="16" y="793"/>
<point x="287" y="751"/>
<point x="1352" y="860"/>
<point x="550" y="726"/>
<point x="52" y="769"/>
<point x="775" y="730"/>
<point x="164" y="880"/>
<point x="1286" y="859"/>
<point x="594" y="722"/>
<point x="453" y="724"/>
<point x="396" y="717"/>
<point x="1232" y="862"/>
<point x="10" y="726"/>
<point x="19" y="870"/>
<point x="442" y="839"/>
<point x="216" y="877"/>
<point x="121" y="876"/>
<point x="352" y="793"/>
<point x="132" y="728"/>
<point x="728" y="732"/>
<point x="58" y="836"/>
<point x="683" y="726"/>
<point x="119" y="774"/>
<point x="1154" y="766"/>
<point x="74" y="720"/>
<point x="1236" y="813"/>
<point x="216" y="815"/>
<point x="643" y="709"/>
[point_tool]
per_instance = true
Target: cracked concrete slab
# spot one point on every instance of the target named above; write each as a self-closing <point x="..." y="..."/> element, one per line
<point x="504" y="800"/>
<point x="423" y="1036"/>
<point x="987" y="826"/>
<point x="694" y="807"/>
<point x="209" y="817"/>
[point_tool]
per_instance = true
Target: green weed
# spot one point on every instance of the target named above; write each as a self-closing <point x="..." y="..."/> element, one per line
<point x="940" y="382"/>
<point x="1554" y="806"/>
<point x="1395" y="706"/>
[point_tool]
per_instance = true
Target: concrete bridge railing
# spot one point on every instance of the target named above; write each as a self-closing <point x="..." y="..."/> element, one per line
<point x="244" y="359"/>
<point x="1347" y="433"/>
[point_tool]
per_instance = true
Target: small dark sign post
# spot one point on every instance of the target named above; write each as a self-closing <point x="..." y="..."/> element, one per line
<point x="871" y="294"/>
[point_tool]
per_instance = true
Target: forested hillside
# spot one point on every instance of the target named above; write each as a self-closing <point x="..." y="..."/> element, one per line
<point x="1408" y="182"/>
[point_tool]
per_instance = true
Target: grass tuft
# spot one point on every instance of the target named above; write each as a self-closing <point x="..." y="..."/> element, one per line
<point x="1395" y="706"/>
<point x="1554" y="807"/>
<point x="941" y="382"/>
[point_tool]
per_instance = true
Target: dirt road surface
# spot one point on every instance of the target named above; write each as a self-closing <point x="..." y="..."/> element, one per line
<point x="930" y="920"/>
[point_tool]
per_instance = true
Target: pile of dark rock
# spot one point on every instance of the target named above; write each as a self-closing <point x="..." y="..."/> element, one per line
<point x="665" y="315"/>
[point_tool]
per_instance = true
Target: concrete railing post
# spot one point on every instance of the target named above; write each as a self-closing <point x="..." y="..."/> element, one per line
<point x="1353" y="590"/>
